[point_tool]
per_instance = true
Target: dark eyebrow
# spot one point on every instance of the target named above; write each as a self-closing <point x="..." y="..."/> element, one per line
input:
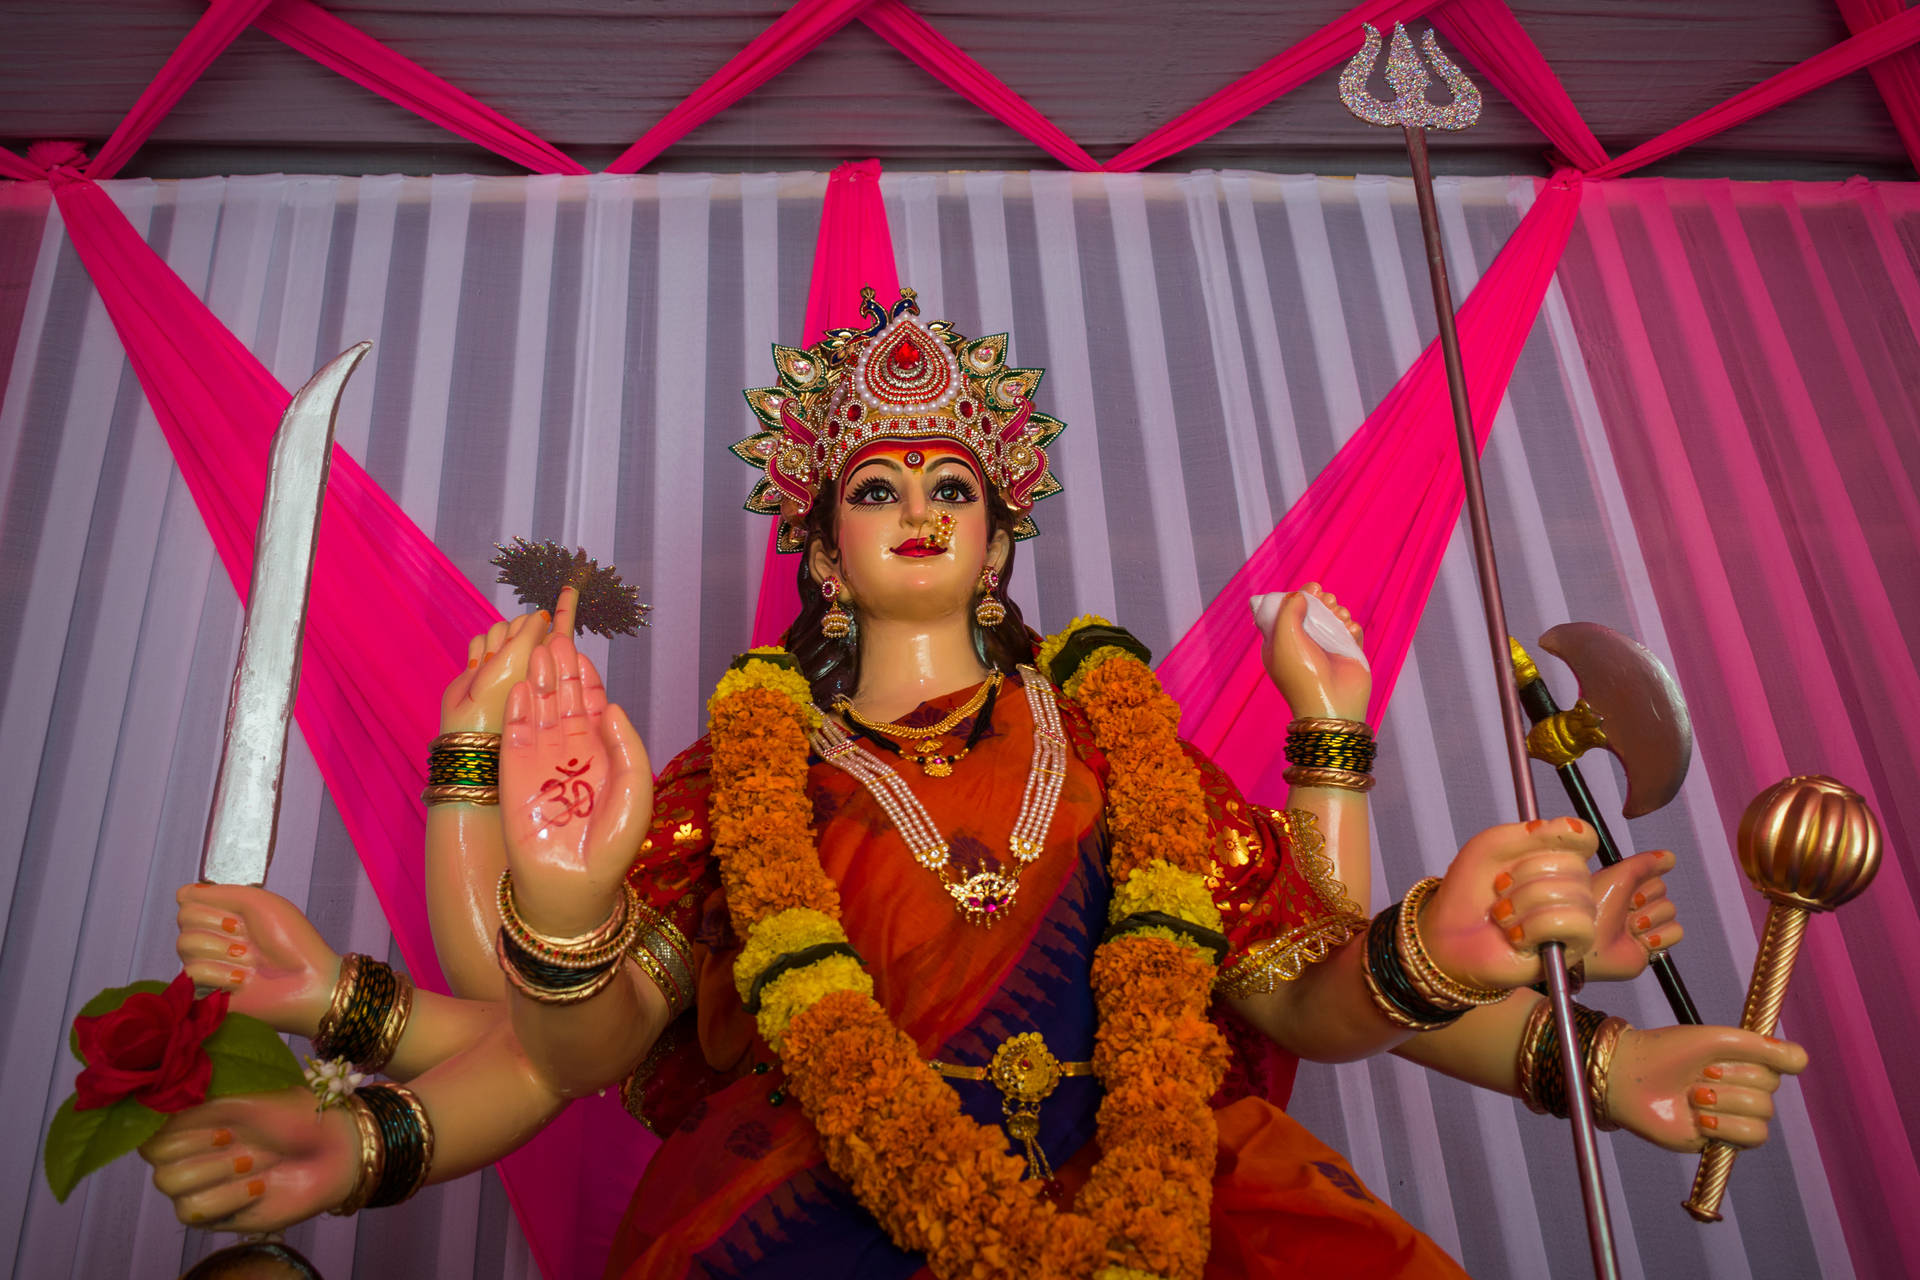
<point x="960" y="458"/>
<point x="875" y="462"/>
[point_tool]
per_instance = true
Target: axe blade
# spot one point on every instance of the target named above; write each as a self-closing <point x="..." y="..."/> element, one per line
<point x="1640" y="706"/>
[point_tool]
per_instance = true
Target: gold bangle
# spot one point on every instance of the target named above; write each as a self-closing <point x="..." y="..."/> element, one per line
<point x="1600" y="1068"/>
<point x="471" y="740"/>
<point x="1341" y="779"/>
<point x="1527" y="1062"/>
<point x="1428" y="978"/>
<point x="337" y="1006"/>
<point x="451" y="794"/>
<point x="1328" y="724"/>
<point x="590" y="950"/>
<point x="373" y="1157"/>
<point x="1390" y="1011"/>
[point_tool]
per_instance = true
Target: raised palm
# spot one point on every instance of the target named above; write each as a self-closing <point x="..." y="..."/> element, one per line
<point x="576" y="792"/>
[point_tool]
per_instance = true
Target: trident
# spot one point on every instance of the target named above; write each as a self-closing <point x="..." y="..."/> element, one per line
<point x="1415" y="115"/>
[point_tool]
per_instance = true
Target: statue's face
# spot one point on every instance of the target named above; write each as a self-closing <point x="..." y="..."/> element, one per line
<point x="913" y="530"/>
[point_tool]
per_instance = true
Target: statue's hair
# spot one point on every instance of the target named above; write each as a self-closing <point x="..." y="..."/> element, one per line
<point x="832" y="667"/>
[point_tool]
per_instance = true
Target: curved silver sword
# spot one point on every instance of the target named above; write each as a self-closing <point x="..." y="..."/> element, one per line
<point x="253" y="757"/>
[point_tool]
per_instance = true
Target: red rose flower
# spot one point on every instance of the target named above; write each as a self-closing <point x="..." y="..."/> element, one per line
<point x="152" y="1049"/>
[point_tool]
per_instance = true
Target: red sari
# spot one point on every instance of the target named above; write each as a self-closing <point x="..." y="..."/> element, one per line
<point x="739" y="1187"/>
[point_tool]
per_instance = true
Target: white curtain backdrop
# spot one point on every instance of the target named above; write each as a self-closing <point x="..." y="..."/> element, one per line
<point x="563" y="357"/>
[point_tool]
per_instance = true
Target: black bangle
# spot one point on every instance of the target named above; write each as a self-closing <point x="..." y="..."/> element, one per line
<point x="404" y="1138"/>
<point x="1383" y="960"/>
<point x="357" y="1036"/>
<point x="1211" y="939"/>
<point x="795" y="960"/>
<point x="550" y="977"/>
<point x="1549" y="1073"/>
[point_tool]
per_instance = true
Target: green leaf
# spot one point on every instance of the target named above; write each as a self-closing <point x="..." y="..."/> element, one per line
<point x="249" y="1057"/>
<point x="78" y="1142"/>
<point x="106" y="1002"/>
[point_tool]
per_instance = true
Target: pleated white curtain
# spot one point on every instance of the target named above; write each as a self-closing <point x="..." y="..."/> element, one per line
<point x="563" y="357"/>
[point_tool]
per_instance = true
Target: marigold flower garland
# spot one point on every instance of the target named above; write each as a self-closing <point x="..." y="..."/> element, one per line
<point x="937" y="1181"/>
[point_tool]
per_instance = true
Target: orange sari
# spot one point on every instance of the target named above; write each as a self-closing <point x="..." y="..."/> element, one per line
<point x="739" y="1187"/>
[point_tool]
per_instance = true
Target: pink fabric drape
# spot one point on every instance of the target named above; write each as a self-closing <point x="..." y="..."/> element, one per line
<point x="1727" y="355"/>
<point x="1489" y="36"/>
<point x="1897" y="75"/>
<point x="1328" y="47"/>
<point x="1373" y="526"/>
<point x="366" y="721"/>
<point x="22" y="170"/>
<point x="365" y="61"/>
<point x="854" y="250"/>
<point x="940" y="57"/>
<point x="782" y="44"/>
<point x="1848" y="56"/>
<point x="210" y="36"/>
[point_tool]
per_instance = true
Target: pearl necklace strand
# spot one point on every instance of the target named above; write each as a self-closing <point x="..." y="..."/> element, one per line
<point x="985" y="896"/>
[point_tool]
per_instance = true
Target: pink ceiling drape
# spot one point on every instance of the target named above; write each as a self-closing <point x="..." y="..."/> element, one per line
<point x="360" y="58"/>
<point x="1374" y="523"/>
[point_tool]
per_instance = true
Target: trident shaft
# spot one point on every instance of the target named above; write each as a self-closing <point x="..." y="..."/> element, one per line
<point x="1414" y="114"/>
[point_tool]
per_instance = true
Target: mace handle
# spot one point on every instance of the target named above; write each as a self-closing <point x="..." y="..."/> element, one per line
<point x="1779" y="946"/>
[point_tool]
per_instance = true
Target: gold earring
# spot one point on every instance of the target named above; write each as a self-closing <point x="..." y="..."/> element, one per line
<point x="988" y="611"/>
<point x="838" y="623"/>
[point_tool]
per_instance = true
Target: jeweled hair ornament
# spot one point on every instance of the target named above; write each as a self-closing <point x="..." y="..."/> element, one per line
<point x="896" y="379"/>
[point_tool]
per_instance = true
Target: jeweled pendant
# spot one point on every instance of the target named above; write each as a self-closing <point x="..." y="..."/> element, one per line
<point x="937" y="766"/>
<point x="985" y="896"/>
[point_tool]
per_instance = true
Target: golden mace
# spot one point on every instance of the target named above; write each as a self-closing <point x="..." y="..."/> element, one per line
<point x="1808" y="844"/>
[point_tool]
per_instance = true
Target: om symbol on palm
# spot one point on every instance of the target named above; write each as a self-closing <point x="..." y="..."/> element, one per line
<point x="568" y="796"/>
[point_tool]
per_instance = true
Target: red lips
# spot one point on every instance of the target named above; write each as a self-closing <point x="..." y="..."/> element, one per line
<point x="918" y="547"/>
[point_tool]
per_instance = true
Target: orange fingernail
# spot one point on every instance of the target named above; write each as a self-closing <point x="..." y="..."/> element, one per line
<point x="257" y="1187"/>
<point x="230" y="924"/>
<point x="1517" y="934"/>
<point x="1502" y="882"/>
<point x="1653" y="940"/>
<point x="1704" y="1096"/>
<point x="1536" y="824"/>
<point x="1576" y="826"/>
<point x="1713" y="1071"/>
<point x="1643" y="923"/>
<point x="1709" y="1122"/>
<point x="237" y="976"/>
<point x="236" y="949"/>
<point x="472" y="663"/>
<point x="1503" y="911"/>
<point x="489" y="653"/>
<point x="221" y="1137"/>
<point x="243" y="1164"/>
<point x="1639" y="900"/>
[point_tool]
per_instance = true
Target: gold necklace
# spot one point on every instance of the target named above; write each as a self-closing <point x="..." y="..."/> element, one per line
<point x="924" y="740"/>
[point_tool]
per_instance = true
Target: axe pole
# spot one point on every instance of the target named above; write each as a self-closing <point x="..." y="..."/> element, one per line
<point x="1586" y="1141"/>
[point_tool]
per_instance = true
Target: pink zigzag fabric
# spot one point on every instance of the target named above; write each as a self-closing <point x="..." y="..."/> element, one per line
<point x="208" y="39"/>
<point x="782" y="44"/>
<point x="365" y="61"/>
<point x="1488" y="34"/>
<point x="1871" y="45"/>
<point x="1374" y="524"/>
<point x="854" y="249"/>
<point x="1897" y="75"/>
<point x="1326" y="48"/>
<point x="952" y="66"/>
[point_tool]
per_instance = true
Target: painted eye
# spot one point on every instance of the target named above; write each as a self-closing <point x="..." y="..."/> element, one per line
<point x="953" y="491"/>
<point x="870" y="493"/>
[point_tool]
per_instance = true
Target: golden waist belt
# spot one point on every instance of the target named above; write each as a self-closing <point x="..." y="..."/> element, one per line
<point x="1026" y="1072"/>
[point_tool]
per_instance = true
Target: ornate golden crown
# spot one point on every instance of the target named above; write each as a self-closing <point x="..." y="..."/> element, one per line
<point x="897" y="379"/>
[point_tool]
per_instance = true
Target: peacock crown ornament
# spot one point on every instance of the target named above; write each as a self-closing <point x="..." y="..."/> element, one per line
<point x="896" y="379"/>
